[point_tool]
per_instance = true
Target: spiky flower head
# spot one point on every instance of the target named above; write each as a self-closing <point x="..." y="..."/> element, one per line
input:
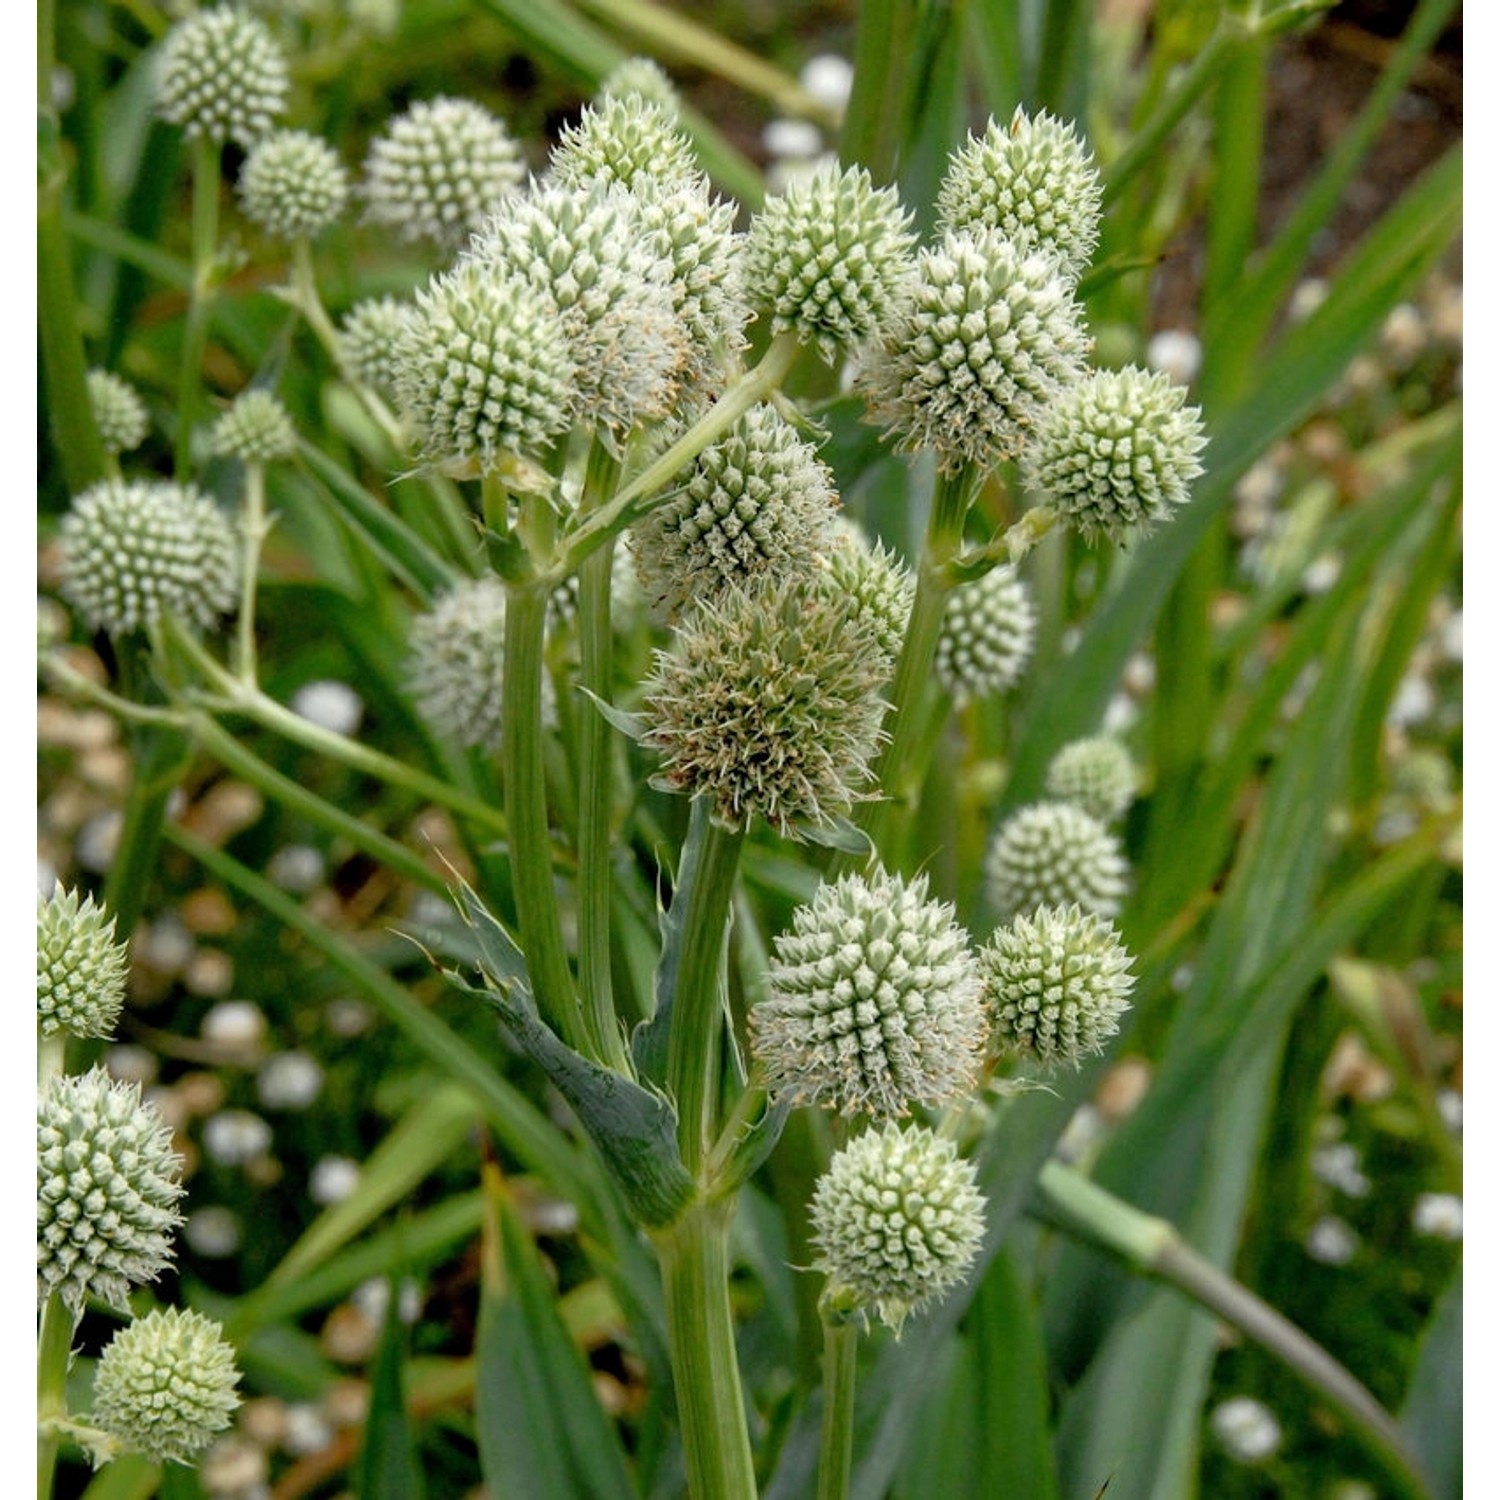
<point x="828" y="257"/>
<point x="767" y="704"/>
<point x="119" y="413"/>
<point x="1034" y="181"/>
<point x="984" y="336"/>
<point x="644" y="78"/>
<point x="757" y="503"/>
<point x="80" y="968"/>
<point x="880" y="586"/>
<point x="582" y="248"/>
<point x="165" y="1385"/>
<point x="255" y="429"/>
<point x="368" y="337"/>
<point x="134" y="548"/>
<point x="438" y="171"/>
<point x="897" y="1220"/>
<point x="1057" y="982"/>
<point x="1096" y="774"/>
<point x="1117" y="452"/>
<point x="988" y="632"/>
<point x="483" y="368"/>
<point x="873" y="1001"/>
<point x="221" y="75"/>
<point x="107" y="1185"/>
<point x="293" y="185"/>
<point x="1055" y="854"/>
<point x="625" y="139"/>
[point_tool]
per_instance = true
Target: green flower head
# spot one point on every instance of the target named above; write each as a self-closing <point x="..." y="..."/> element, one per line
<point x="80" y="968"/>
<point x="1055" y="854"/>
<point x="221" y="75"/>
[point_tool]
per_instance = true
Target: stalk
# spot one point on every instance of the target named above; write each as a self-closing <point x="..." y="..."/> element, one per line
<point x="200" y="298"/>
<point x="694" y="1255"/>
<point x="54" y="1344"/>
<point x="253" y="529"/>
<point x="840" y="1352"/>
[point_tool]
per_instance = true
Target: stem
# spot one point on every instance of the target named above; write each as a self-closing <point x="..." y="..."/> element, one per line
<point x="253" y="529"/>
<point x="160" y="757"/>
<point x="694" y="1256"/>
<point x="54" y="1344"/>
<point x="840" y="1352"/>
<point x="200" y="297"/>
<point x="51" y="1058"/>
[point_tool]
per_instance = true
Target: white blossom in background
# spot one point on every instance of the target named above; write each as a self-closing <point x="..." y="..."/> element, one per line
<point x="347" y="1017"/>
<point x="1177" y="353"/>
<point x="1246" y="1428"/>
<point x="334" y="706"/>
<point x="297" y="868"/>
<point x="234" y="1137"/>
<point x="332" y="1179"/>
<point x="307" y="1429"/>
<point x="214" y="1232"/>
<point x="1331" y="1241"/>
<point x="290" y="1080"/>
<point x="1338" y="1164"/>
<point x="238" y="1024"/>
<point x="829" y="78"/>
<point x="1439" y="1216"/>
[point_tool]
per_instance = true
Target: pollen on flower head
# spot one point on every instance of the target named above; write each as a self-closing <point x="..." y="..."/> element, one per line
<point x="1055" y="854"/>
<point x="293" y="185"/>
<point x="80" y="968"/>
<point x="221" y="75"/>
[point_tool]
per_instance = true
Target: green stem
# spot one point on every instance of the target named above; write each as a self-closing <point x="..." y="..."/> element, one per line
<point x="200" y="299"/>
<point x="253" y="529"/>
<point x="840" y="1354"/>
<point x="160" y="758"/>
<point x="695" y="1267"/>
<point x="51" y="1058"/>
<point x="54" y="1344"/>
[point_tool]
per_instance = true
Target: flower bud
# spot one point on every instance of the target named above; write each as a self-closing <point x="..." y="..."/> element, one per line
<point x="1096" y="774"/>
<point x="165" y="1385"/>
<point x="221" y="75"/>
<point x="293" y="185"/>
<point x="625" y="139"/>
<point x="1057" y="982"/>
<point x="255" y="429"/>
<point x="119" y="412"/>
<point x="368" y="337"/>
<point x="107" y="1185"/>
<point x="897" y="1220"/>
<point x="988" y="633"/>
<point x="1055" y="854"/>
<point x="80" y="968"/>
<point x="873" y="1001"/>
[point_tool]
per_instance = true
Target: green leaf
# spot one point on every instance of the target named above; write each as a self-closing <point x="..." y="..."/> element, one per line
<point x="1433" y="1415"/>
<point x="389" y="1468"/>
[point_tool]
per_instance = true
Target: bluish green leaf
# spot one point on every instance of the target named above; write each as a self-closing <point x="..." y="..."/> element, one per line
<point x="389" y="1467"/>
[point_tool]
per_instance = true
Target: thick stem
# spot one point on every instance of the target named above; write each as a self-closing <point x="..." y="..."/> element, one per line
<point x="694" y="1256"/>
<point x="54" y="1343"/>
<point x="200" y="298"/>
<point x="836" y="1458"/>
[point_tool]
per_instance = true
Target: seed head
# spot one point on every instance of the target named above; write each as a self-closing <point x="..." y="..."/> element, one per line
<point x="1057" y="982"/>
<point x="134" y="548"/>
<point x="897" y="1220"/>
<point x="438" y="171"/>
<point x="483" y="368"/>
<point x="625" y="139"/>
<point x="368" y="337"/>
<point x="80" y="968"/>
<point x="989" y="630"/>
<point x="107" y="1185"/>
<point x="874" y="1001"/>
<point x="119" y="412"/>
<point x="1116" y="452"/>
<point x="756" y="504"/>
<point x="255" y="429"/>
<point x="1055" y="854"/>
<point x="1034" y="181"/>
<point x="165" y="1385"/>
<point x="880" y="586"/>
<point x="293" y="185"/>
<point x="983" y="337"/>
<point x="828" y="258"/>
<point x="643" y="78"/>
<point x="766" y="704"/>
<point x="1095" y="774"/>
<point x="221" y="75"/>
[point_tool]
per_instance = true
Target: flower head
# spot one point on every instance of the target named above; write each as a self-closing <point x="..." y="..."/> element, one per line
<point x="107" y="1185"/>
<point x="220" y="74"/>
<point x="134" y="548"/>
<point x="293" y="185"/>
<point x="767" y="704"/>
<point x="1116" y="452"/>
<point x="988" y="632"/>
<point x="873" y="1001"/>
<point x="165" y="1385"/>
<point x="255" y="429"/>
<point x="1057" y="983"/>
<point x="880" y="586"/>
<point x="645" y="79"/>
<point x="626" y="139"/>
<point x="368" y="337"/>
<point x="438" y="171"/>
<point x="897" y="1220"/>
<point x="1055" y="854"/>
<point x="119" y="412"/>
<point x="984" y="336"/>
<point x="80" y="968"/>
<point x="828" y="257"/>
<point x="1096" y="774"/>
<point x="1034" y="181"/>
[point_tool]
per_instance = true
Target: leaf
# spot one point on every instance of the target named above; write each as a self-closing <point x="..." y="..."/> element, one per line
<point x="388" y="1466"/>
<point x="1433" y="1415"/>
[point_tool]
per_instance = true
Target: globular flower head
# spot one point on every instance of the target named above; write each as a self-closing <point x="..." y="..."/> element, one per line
<point x="757" y="503"/>
<point x="293" y="185"/>
<point x="1117" y="452"/>
<point x="80" y="968"/>
<point x="483" y="368"/>
<point x="1058" y="982"/>
<point x="626" y="139"/>
<point x="767" y="704"/>
<point x="988" y="632"/>
<point x="221" y="75"/>
<point x="874" y="1001"/>
<point x="1034" y="181"/>
<point x="368" y="337"/>
<point x="828" y="257"/>
<point x="255" y="429"/>
<point x="107" y="1185"/>
<point x="119" y="412"/>
<point x="879" y="585"/>
<point x="1096" y="774"/>
<point x="134" y="548"/>
<point x="165" y="1385"/>
<point x="582" y="247"/>
<point x="897" y="1220"/>
<point x="1055" y="854"/>
<point x="438" y="171"/>
<point x="645" y="79"/>
<point x="983" y="338"/>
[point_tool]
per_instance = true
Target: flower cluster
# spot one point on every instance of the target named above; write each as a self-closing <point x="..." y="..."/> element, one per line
<point x="1055" y="854"/>
<point x="222" y="76"/>
<point x="80" y="968"/>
